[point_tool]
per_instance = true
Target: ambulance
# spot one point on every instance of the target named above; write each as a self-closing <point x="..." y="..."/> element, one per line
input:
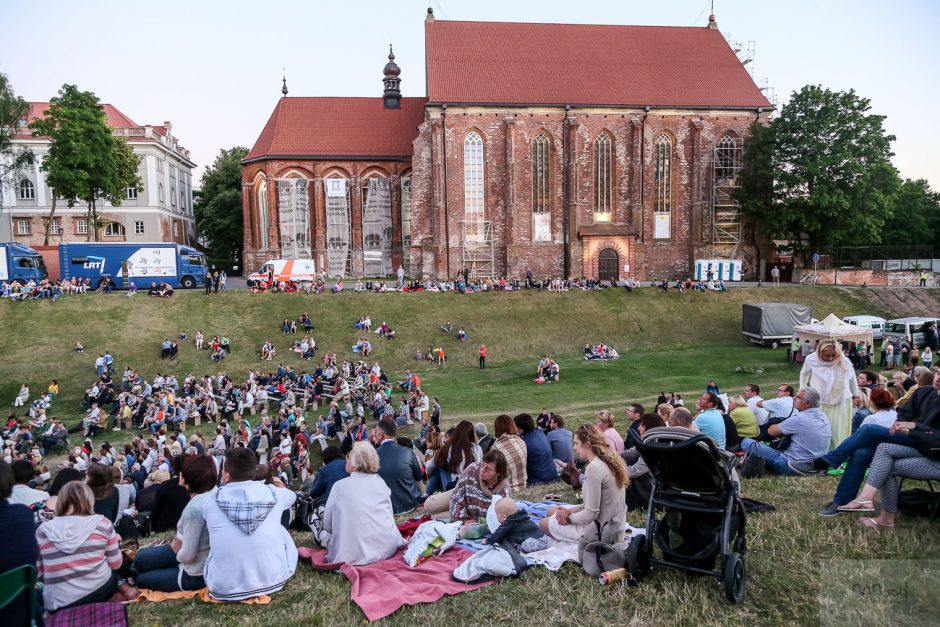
<point x="284" y="270"/>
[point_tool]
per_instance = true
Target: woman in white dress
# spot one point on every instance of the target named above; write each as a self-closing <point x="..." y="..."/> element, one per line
<point x="830" y="372"/>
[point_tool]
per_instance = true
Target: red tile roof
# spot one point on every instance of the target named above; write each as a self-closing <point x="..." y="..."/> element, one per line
<point x="116" y="119"/>
<point x="339" y="127"/>
<point x="524" y="63"/>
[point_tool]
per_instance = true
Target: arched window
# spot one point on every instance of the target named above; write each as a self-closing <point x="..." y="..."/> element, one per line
<point x="114" y="229"/>
<point x="603" y="173"/>
<point x="262" y="195"/>
<point x="173" y="196"/>
<point x="27" y="190"/>
<point x="160" y="195"/>
<point x="473" y="186"/>
<point x="662" y="177"/>
<point x="541" y="150"/>
<point x="726" y="158"/>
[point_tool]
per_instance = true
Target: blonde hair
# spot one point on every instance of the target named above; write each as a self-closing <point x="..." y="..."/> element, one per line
<point x="665" y="410"/>
<point x="827" y="344"/>
<point x="75" y="498"/>
<point x="738" y="400"/>
<point x="592" y="436"/>
<point x="363" y="458"/>
<point x="605" y="417"/>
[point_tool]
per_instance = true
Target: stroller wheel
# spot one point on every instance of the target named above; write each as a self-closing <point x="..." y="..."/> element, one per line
<point x="734" y="577"/>
<point x="638" y="558"/>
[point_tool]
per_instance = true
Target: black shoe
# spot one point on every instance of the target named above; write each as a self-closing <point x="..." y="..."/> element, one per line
<point x="832" y="509"/>
<point x="821" y="464"/>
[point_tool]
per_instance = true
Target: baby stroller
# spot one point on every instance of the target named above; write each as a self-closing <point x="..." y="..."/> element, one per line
<point x="700" y="529"/>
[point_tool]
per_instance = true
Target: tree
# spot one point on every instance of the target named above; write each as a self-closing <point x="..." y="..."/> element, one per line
<point x="820" y="175"/>
<point x="86" y="162"/>
<point x="916" y="219"/>
<point x="12" y="158"/>
<point x="218" y="205"/>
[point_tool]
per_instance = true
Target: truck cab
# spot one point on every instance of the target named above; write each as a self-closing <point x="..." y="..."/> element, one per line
<point x="192" y="268"/>
<point x="20" y="263"/>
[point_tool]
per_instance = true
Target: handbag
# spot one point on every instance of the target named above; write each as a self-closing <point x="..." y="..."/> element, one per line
<point x="751" y="465"/>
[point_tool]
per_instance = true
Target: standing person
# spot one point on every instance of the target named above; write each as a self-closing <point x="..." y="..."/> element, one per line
<point x="923" y="278"/>
<point x="222" y="279"/>
<point x="775" y="275"/>
<point x="482" y="356"/>
<point x="207" y="282"/>
<point x="830" y="372"/>
<point x="215" y="282"/>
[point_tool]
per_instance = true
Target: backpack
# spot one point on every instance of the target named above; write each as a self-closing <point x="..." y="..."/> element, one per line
<point x="303" y="509"/>
<point x="598" y="556"/>
<point x="919" y="502"/>
<point x="751" y="465"/>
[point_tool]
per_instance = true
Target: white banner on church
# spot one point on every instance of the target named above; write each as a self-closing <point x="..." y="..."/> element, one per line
<point x="377" y="229"/>
<point x="337" y="227"/>
<point x="294" y="218"/>
<point x="663" y="223"/>
<point x="542" y="227"/>
<point x="406" y="220"/>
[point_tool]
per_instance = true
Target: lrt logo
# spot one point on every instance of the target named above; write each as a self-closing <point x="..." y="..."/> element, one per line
<point x="94" y="263"/>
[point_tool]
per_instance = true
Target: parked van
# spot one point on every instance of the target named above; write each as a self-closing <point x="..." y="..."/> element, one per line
<point x="284" y="270"/>
<point x="908" y="327"/>
<point x="876" y="324"/>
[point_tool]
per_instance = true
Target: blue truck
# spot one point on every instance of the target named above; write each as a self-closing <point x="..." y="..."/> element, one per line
<point x="20" y="263"/>
<point x="139" y="263"/>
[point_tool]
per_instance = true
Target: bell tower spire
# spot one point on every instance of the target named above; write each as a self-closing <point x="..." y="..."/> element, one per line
<point x="392" y="82"/>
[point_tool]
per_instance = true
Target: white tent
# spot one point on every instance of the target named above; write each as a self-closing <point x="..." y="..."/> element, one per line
<point x="834" y="328"/>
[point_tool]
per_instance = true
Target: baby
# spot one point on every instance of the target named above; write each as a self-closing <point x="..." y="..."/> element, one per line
<point x="516" y="528"/>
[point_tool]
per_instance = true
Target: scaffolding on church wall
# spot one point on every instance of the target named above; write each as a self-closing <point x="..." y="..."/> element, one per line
<point x="478" y="255"/>
<point x="377" y="228"/>
<point x="338" y="227"/>
<point x="727" y="158"/>
<point x="294" y="218"/>
<point x="406" y="223"/>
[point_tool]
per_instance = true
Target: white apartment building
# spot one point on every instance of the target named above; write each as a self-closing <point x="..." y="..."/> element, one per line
<point x="160" y="211"/>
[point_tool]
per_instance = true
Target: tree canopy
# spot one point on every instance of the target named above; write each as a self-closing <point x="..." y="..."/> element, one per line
<point x="820" y="175"/>
<point x="85" y="162"/>
<point x="12" y="109"/>
<point x="916" y="219"/>
<point x="218" y="205"/>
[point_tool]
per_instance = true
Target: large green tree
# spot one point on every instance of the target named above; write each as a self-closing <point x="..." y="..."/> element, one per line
<point x="820" y="175"/>
<point x="13" y="159"/>
<point x="218" y="205"/>
<point x="85" y="162"/>
<point x="916" y="219"/>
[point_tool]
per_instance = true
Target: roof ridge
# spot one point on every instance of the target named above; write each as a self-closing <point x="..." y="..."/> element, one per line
<point x="591" y="24"/>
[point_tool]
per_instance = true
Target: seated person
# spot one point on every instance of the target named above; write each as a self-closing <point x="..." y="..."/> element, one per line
<point x="447" y="327"/>
<point x="332" y="470"/>
<point x="709" y="420"/>
<point x="810" y="434"/>
<point x="744" y="419"/>
<point x="474" y="492"/>
<point x="399" y="467"/>
<point x="268" y="351"/>
<point x="516" y="528"/>
<point x="358" y="521"/>
<point x="462" y="335"/>
<point x="218" y="354"/>
<point x="79" y="553"/>
<point x="540" y="467"/>
<point x="250" y="552"/>
<point x="20" y="546"/>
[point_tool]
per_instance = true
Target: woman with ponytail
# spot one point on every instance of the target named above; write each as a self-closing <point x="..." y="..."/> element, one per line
<point x="603" y="492"/>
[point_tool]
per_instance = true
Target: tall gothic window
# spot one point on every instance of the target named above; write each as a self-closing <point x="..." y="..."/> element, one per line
<point x="262" y="195"/>
<point x="603" y="174"/>
<point x="662" y="176"/>
<point x="473" y="186"/>
<point x="541" y="180"/>
<point x="725" y="157"/>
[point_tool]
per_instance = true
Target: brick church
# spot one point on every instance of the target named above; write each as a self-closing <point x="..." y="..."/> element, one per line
<point x="570" y="150"/>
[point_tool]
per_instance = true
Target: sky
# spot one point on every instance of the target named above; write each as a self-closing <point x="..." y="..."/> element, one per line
<point x="213" y="68"/>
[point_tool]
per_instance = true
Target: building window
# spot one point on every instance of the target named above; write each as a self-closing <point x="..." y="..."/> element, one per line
<point x="262" y="195"/>
<point x="473" y="187"/>
<point x="23" y="227"/>
<point x="406" y="215"/>
<point x="603" y="190"/>
<point x="182" y="200"/>
<point x="114" y="229"/>
<point x="160" y="196"/>
<point x="55" y="227"/>
<point x="662" y="178"/>
<point x="161" y="166"/>
<point x="175" y="229"/>
<point x="725" y="158"/>
<point x="173" y="196"/>
<point x="27" y="190"/>
<point x="541" y="186"/>
<point x="81" y="226"/>
<point x="138" y="227"/>
<point x="131" y="193"/>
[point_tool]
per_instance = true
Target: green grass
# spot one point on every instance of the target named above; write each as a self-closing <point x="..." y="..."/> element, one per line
<point x="668" y="342"/>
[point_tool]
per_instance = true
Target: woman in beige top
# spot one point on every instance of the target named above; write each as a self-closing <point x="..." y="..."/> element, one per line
<point x="603" y="491"/>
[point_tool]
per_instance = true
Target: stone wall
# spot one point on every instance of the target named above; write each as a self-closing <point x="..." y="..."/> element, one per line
<point x="861" y="276"/>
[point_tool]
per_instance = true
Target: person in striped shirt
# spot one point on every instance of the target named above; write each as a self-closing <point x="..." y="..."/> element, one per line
<point x="79" y="553"/>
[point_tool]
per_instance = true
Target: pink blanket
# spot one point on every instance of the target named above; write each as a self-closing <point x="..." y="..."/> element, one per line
<point x="380" y="589"/>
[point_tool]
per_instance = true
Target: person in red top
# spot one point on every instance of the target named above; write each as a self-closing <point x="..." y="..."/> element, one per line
<point x="416" y="382"/>
<point x="482" y="356"/>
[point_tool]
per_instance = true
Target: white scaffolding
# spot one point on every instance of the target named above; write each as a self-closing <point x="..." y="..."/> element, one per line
<point x="478" y="255"/>
<point x="337" y="227"/>
<point x="293" y="218"/>
<point x="725" y="209"/>
<point x="377" y="228"/>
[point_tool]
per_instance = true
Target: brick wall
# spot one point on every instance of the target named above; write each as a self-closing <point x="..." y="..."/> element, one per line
<point x="860" y="276"/>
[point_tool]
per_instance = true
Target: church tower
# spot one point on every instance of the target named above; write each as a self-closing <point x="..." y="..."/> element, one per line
<point x="392" y="94"/>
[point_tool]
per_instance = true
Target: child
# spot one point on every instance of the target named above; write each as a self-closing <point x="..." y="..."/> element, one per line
<point x="516" y="527"/>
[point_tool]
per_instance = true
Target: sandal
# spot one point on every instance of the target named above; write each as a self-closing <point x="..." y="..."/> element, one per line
<point x="871" y="523"/>
<point x="857" y="506"/>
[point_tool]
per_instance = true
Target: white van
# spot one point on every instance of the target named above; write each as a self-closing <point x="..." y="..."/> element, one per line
<point x="908" y="327"/>
<point x="284" y="270"/>
<point x="876" y="324"/>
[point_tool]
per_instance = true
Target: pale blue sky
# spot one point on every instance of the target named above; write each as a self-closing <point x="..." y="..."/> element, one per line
<point x="213" y="67"/>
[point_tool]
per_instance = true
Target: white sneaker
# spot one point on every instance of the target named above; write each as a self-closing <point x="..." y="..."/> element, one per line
<point x="116" y="429"/>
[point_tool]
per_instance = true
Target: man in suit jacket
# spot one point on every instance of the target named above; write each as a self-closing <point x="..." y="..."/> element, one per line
<point x="398" y="467"/>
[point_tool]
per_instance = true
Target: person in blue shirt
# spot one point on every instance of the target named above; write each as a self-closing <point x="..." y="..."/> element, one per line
<point x="333" y="469"/>
<point x="709" y="420"/>
<point x="559" y="439"/>
<point x="713" y="388"/>
<point x="540" y="467"/>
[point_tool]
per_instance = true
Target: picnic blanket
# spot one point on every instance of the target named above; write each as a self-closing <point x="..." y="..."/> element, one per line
<point x="155" y="596"/>
<point x="380" y="589"/>
<point x="98" y="614"/>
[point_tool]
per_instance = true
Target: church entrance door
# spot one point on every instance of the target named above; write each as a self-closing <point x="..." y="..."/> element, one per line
<point x="608" y="263"/>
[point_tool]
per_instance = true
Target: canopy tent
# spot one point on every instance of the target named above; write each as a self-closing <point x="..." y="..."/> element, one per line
<point x="832" y="327"/>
